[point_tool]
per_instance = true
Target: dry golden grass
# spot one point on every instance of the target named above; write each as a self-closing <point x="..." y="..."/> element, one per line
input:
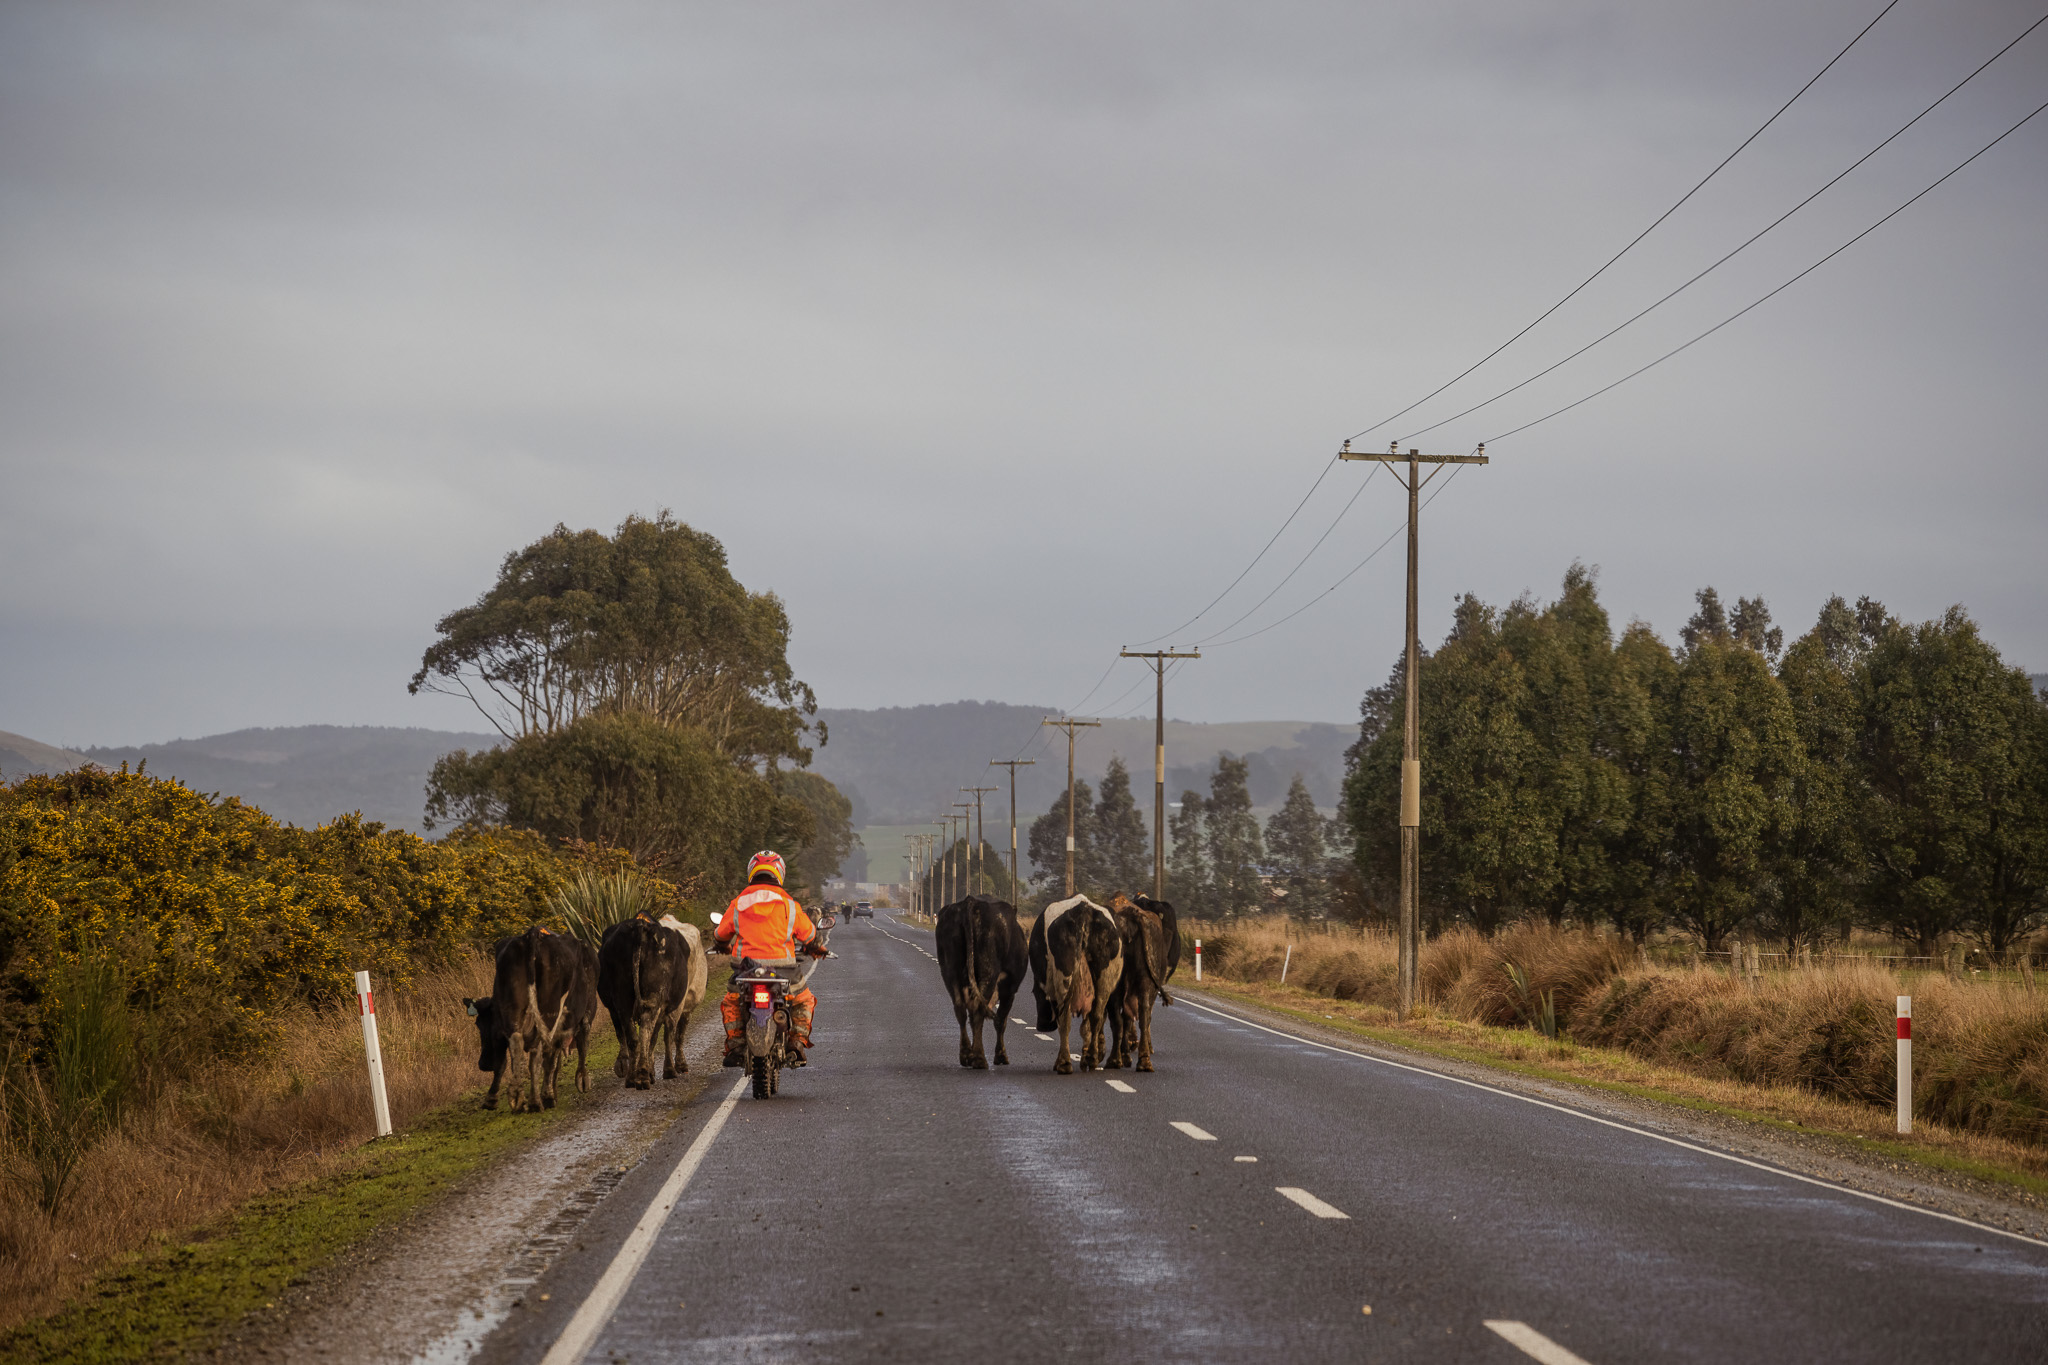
<point x="239" y="1129"/>
<point x="1980" y="1053"/>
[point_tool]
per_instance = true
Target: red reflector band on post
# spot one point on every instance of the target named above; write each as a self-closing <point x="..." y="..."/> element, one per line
<point x="366" y="1003"/>
<point x="1906" y="1026"/>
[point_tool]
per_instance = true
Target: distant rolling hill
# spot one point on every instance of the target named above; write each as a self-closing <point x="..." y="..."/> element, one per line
<point x="905" y="764"/>
<point x="308" y="774"/>
<point x="898" y="765"/>
<point x="20" y="756"/>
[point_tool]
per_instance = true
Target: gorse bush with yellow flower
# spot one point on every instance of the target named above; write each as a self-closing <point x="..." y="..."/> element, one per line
<point x="219" y="918"/>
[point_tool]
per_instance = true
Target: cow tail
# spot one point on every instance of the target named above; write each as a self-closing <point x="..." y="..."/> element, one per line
<point x="973" y="927"/>
<point x="1155" y="957"/>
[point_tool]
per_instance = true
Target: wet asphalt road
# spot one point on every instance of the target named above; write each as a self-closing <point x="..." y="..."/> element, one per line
<point x="889" y="1205"/>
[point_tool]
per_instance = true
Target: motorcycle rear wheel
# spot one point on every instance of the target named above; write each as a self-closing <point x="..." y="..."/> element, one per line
<point x="761" y="1090"/>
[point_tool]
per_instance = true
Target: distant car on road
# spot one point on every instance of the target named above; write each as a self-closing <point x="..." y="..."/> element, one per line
<point x="861" y="910"/>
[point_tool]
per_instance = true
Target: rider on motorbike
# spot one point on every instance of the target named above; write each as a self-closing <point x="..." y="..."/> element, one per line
<point x="764" y="925"/>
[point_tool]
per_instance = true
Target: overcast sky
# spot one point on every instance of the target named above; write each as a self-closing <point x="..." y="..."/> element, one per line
<point x="990" y="336"/>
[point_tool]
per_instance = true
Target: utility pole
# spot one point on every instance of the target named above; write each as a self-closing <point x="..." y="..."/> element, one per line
<point x="974" y="858"/>
<point x="1159" y="658"/>
<point x="910" y="865"/>
<point x="1070" y="725"/>
<point x="938" y="869"/>
<point x="1013" y="764"/>
<point x="1411" y="731"/>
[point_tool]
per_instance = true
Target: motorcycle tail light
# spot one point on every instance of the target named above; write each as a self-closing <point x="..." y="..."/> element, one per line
<point x="760" y="997"/>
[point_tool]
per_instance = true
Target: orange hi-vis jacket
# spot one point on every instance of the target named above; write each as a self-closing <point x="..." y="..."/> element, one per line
<point x="768" y="922"/>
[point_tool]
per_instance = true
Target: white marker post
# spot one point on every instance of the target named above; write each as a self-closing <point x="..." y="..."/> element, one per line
<point x="367" y="1003"/>
<point x="1198" y="959"/>
<point x="1283" y="963"/>
<point x="1905" y="1063"/>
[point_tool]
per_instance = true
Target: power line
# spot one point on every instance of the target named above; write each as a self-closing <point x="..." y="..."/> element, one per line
<point x="1775" y="292"/>
<point x="1738" y="250"/>
<point x="1255" y="558"/>
<point x="1574" y="292"/>
<point x="1355" y="495"/>
<point x="1640" y="235"/>
<point x="1348" y="574"/>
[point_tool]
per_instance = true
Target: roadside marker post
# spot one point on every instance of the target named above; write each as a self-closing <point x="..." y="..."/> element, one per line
<point x="366" y="1003"/>
<point x="1905" y="1063"/>
<point x="1283" y="963"/>
<point x="1198" y="959"/>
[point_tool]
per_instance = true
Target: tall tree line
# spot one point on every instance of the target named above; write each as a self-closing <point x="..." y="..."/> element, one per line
<point x="1220" y="863"/>
<point x="1875" y="772"/>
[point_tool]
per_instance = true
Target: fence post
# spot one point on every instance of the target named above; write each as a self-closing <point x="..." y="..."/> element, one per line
<point x="1905" y="1063"/>
<point x="367" y="1003"/>
<point x="1198" y="959"/>
<point x="1283" y="963"/>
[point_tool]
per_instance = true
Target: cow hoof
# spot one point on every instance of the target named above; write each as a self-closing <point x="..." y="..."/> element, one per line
<point x="1144" y="1066"/>
<point x="619" y="1066"/>
<point x="981" y="1063"/>
<point x="547" y="1101"/>
<point x="1112" y="1065"/>
<point x="1063" y="1068"/>
<point x="1002" y="1059"/>
<point x="491" y="1103"/>
<point x="966" y="1060"/>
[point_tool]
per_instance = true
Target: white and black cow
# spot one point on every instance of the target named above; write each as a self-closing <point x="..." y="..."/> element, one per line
<point x="543" y="997"/>
<point x="650" y="975"/>
<point x="981" y="959"/>
<point x="1076" y="958"/>
<point x="1151" y="935"/>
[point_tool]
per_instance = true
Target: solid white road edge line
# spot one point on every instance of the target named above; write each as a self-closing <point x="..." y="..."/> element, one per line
<point x="576" y="1338"/>
<point x="1533" y="1343"/>
<point x="1310" y="1202"/>
<point x="1196" y="1133"/>
<point x="1627" y="1128"/>
<point x="1121" y="1087"/>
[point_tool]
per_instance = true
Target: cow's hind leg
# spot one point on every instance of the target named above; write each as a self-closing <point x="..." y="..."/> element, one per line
<point x="1145" y="1032"/>
<point x="976" y="1018"/>
<point x="1002" y="1022"/>
<point x="1063" y="1061"/>
<point x="1091" y="1035"/>
<point x="960" y="1013"/>
<point x="583" y="1059"/>
<point x="1118" y="1032"/>
<point x="552" y="1054"/>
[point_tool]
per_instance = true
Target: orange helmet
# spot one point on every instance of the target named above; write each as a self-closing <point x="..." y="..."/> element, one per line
<point x="769" y="862"/>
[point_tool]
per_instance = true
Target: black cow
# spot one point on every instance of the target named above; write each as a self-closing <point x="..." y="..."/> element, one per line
<point x="1151" y="936"/>
<point x="543" y="997"/>
<point x="981" y="960"/>
<point x="646" y="972"/>
<point x="1077" y="954"/>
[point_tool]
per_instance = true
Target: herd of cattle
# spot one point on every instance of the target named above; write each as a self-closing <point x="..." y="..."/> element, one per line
<point x="1103" y="966"/>
<point x="649" y="974"/>
<point x="1088" y="962"/>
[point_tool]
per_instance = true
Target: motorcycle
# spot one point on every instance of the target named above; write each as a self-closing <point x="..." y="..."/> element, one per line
<point x="764" y="1001"/>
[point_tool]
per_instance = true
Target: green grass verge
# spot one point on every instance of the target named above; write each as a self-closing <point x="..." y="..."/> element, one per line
<point x="177" y="1297"/>
<point x="1901" y="1150"/>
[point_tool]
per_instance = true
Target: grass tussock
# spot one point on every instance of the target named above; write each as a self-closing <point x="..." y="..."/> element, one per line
<point x="176" y="1157"/>
<point x="1980" y="1050"/>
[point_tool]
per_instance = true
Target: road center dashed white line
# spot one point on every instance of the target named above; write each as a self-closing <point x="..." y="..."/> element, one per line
<point x="1043" y="1037"/>
<point x="1533" y="1343"/>
<point x="1121" y="1087"/>
<point x="1018" y="1022"/>
<point x="1308" y="1201"/>
<point x="1196" y="1133"/>
<point x="1244" y="1158"/>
